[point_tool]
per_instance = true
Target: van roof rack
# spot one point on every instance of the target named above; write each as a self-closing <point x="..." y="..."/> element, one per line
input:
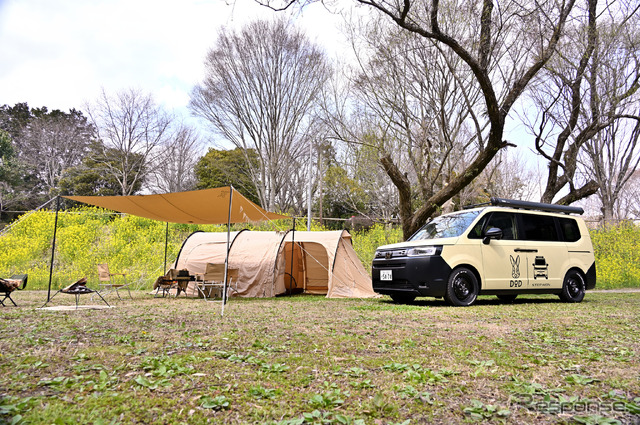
<point x="536" y="206"/>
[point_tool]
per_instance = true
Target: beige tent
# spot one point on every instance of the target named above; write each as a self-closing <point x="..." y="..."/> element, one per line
<point x="323" y="262"/>
<point x="208" y="206"/>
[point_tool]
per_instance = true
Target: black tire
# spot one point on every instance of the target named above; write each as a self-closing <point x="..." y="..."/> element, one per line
<point x="507" y="298"/>
<point x="573" y="287"/>
<point x="403" y="298"/>
<point x="462" y="288"/>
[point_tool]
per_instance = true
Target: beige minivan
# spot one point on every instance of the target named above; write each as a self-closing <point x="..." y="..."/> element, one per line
<point x="502" y="248"/>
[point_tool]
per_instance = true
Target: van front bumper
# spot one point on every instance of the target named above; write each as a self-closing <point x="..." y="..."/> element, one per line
<point x="420" y="276"/>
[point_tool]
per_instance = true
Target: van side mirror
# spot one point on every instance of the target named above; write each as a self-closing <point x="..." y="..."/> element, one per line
<point x="492" y="233"/>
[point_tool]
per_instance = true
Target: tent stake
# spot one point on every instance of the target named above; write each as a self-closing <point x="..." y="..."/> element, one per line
<point x="53" y="247"/>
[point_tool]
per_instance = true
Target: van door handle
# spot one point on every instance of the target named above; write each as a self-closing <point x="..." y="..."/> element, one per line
<point x="525" y="250"/>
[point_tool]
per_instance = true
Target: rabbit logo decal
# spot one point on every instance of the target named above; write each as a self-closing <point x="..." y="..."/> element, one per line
<point x="515" y="266"/>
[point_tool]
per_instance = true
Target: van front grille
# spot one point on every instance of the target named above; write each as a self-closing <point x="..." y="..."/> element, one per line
<point x="388" y="264"/>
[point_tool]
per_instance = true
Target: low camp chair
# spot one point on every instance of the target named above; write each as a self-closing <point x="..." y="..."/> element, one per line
<point x="108" y="284"/>
<point x="174" y="279"/>
<point x="7" y="286"/>
<point x="76" y="289"/>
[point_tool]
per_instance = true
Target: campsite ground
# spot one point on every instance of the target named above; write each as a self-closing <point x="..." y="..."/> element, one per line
<point x="317" y="360"/>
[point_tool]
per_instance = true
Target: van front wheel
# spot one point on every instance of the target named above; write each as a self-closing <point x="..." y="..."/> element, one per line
<point x="573" y="287"/>
<point x="462" y="288"/>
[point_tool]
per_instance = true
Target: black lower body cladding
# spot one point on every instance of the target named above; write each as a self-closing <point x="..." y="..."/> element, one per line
<point x="591" y="276"/>
<point x="420" y="276"/>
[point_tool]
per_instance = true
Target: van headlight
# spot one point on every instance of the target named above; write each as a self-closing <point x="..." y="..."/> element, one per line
<point x="422" y="251"/>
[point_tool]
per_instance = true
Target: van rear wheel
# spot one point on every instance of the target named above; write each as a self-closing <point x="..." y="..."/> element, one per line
<point x="573" y="287"/>
<point x="462" y="288"/>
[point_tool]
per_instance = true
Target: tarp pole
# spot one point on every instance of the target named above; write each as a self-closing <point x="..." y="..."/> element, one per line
<point x="53" y="247"/>
<point x="309" y="188"/>
<point x="293" y="246"/>
<point x="166" y="243"/>
<point x="226" y="259"/>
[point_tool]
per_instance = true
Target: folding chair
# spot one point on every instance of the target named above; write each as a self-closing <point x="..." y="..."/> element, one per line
<point x="7" y="286"/>
<point x="166" y="283"/>
<point x="107" y="284"/>
<point x="211" y="283"/>
<point x="232" y="278"/>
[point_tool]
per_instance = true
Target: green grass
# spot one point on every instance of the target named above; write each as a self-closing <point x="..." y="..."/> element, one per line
<point x="309" y="359"/>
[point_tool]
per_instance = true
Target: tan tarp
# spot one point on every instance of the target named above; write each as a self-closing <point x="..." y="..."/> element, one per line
<point x="323" y="262"/>
<point x="207" y="206"/>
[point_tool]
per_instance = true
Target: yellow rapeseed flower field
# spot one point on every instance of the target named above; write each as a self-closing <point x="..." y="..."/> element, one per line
<point x="87" y="236"/>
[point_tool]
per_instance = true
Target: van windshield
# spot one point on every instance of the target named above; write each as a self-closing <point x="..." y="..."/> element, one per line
<point x="446" y="226"/>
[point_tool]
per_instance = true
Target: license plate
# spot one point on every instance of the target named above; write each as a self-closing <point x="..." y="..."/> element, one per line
<point x="386" y="275"/>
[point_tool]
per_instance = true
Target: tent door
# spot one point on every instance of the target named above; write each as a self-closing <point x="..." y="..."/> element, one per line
<point x="311" y="267"/>
<point x="294" y="278"/>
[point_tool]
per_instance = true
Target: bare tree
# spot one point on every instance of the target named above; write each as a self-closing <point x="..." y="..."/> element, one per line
<point x="611" y="159"/>
<point x="132" y="128"/>
<point x="356" y="184"/>
<point x="627" y="206"/>
<point x="173" y="168"/>
<point x="51" y="142"/>
<point x="489" y="56"/>
<point x="9" y="171"/>
<point x="422" y="111"/>
<point x="582" y="94"/>
<point x="259" y="92"/>
<point x="509" y="176"/>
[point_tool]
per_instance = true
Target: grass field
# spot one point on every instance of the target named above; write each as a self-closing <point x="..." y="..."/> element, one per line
<point x="309" y="359"/>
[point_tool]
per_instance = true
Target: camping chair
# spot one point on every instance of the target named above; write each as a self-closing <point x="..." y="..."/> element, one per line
<point x="7" y="286"/>
<point x="107" y="284"/>
<point x="211" y="283"/>
<point x="78" y="288"/>
<point x="166" y="283"/>
<point x="232" y="278"/>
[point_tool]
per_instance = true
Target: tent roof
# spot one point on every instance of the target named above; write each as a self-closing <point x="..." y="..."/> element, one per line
<point x="208" y="206"/>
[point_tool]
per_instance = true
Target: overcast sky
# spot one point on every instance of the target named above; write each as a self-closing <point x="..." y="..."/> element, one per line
<point x="59" y="54"/>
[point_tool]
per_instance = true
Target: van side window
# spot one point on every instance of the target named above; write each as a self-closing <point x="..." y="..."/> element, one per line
<point x="476" y="232"/>
<point x="505" y="222"/>
<point x="502" y="220"/>
<point x="539" y="227"/>
<point x="570" y="229"/>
